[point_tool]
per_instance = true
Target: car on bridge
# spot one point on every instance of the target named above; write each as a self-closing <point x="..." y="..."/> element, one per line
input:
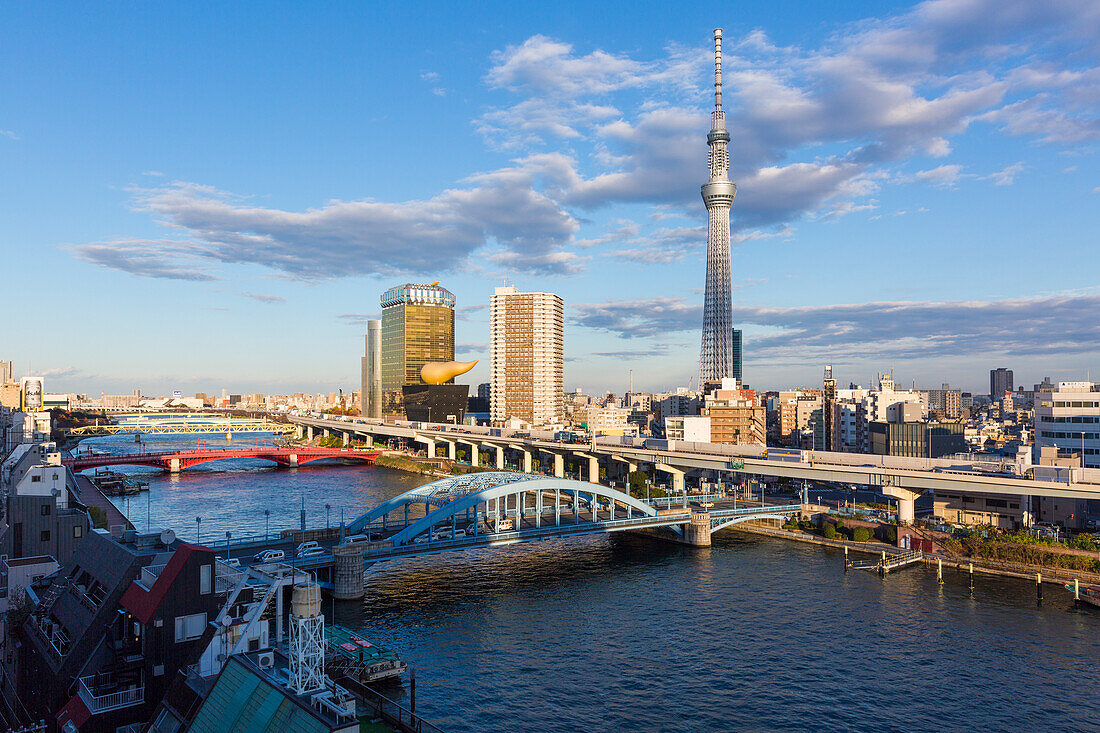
<point x="311" y="552"/>
<point x="269" y="556"/>
<point x="306" y="546"/>
<point x="355" y="539"/>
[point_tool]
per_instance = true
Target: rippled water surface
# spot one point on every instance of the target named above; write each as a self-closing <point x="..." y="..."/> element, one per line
<point x="623" y="633"/>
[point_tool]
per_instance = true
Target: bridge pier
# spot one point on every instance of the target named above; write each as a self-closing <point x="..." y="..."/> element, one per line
<point x="697" y="531"/>
<point x="174" y="465"/>
<point x="347" y="578"/>
<point x="292" y="460"/>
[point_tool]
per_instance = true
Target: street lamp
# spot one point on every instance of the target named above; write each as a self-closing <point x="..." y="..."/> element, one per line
<point x="228" y="536"/>
<point x="267" y="522"/>
<point x="198" y="530"/>
<point x="328" y="507"/>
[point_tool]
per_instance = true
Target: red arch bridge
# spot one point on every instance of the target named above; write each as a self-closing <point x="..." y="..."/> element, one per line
<point x="177" y="461"/>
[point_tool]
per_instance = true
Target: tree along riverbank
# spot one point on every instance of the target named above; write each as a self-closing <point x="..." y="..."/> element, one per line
<point x="1050" y="574"/>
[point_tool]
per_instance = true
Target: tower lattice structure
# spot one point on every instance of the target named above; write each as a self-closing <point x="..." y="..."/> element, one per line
<point x="716" y="357"/>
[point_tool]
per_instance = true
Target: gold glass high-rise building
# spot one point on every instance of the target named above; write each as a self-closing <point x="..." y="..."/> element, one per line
<point x="418" y="326"/>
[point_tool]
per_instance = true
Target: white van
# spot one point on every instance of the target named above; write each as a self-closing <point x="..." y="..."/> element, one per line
<point x="270" y="556"/>
<point x="311" y="552"/>
<point x="355" y="539"/>
<point x="306" y="546"/>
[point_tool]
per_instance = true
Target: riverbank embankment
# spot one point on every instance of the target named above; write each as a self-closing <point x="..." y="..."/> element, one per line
<point x="1026" y="571"/>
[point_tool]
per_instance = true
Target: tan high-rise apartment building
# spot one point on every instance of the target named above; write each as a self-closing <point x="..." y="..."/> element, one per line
<point x="526" y="356"/>
<point x="418" y="326"/>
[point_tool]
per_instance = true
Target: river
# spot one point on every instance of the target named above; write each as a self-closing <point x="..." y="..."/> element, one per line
<point x="621" y="633"/>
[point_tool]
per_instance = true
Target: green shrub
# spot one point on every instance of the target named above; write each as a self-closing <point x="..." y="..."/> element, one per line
<point x="861" y="534"/>
<point x="99" y="517"/>
<point x="891" y="534"/>
<point x="839" y="523"/>
<point x="830" y="531"/>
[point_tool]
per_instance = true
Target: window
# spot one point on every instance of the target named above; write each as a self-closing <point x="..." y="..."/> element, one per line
<point x="204" y="579"/>
<point x="78" y="531"/>
<point x="45" y="536"/>
<point x="190" y="627"/>
<point x="45" y="510"/>
<point x="36" y="479"/>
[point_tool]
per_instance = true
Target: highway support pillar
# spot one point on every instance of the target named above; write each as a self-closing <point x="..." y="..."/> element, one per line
<point x="1027" y="518"/>
<point x="906" y="502"/>
<point x="326" y="433"/>
<point x="559" y="465"/>
<point x="298" y="432"/>
<point x="676" y="474"/>
<point x="430" y="445"/>
<point x="528" y="459"/>
<point x="499" y="455"/>
<point x="593" y="466"/>
<point x="475" y="454"/>
<point x="309" y="433"/>
<point x="347" y="439"/>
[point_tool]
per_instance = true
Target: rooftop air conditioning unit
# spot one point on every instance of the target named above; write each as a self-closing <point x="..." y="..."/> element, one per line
<point x="266" y="660"/>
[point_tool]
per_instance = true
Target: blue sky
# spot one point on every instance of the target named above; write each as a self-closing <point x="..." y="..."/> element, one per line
<point x="199" y="195"/>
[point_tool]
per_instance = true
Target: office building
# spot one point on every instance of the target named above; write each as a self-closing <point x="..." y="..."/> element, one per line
<point x="7" y="371"/>
<point x="1000" y="381"/>
<point x="1068" y="418"/>
<point x="917" y="439"/>
<point x="418" y="326"/>
<point x="371" y="381"/>
<point x="526" y="356"/>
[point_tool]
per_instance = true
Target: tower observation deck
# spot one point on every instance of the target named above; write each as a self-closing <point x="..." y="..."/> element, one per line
<point x="716" y="358"/>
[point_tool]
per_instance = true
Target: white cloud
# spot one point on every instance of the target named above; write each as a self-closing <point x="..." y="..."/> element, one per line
<point x="884" y="330"/>
<point x="945" y="176"/>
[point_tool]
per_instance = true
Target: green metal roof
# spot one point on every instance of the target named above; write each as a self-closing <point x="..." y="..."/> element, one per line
<point x="244" y="702"/>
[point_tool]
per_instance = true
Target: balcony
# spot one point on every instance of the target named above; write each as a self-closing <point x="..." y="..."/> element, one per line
<point x="102" y="693"/>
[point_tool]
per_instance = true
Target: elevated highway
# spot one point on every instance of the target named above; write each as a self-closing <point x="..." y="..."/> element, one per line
<point x="904" y="479"/>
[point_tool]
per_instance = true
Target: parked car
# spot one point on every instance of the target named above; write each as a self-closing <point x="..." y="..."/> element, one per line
<point x="269" y="556"/>
<point x="355" y="539"/>
<point x="311" y="552"/>
<point x="307" y="546"/>
<point x="233" y="562"/>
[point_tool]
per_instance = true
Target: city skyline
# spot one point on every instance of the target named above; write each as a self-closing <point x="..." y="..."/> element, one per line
<point x="881" y="151"/>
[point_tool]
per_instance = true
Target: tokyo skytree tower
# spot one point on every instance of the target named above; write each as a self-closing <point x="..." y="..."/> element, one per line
<point x="716" y="359"/>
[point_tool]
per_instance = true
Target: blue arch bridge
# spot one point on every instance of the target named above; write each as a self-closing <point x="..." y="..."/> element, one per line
<point x="494" y="509"/>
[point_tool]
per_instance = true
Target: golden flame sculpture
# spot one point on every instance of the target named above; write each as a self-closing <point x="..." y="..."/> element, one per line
<point x="438" y="372"/>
